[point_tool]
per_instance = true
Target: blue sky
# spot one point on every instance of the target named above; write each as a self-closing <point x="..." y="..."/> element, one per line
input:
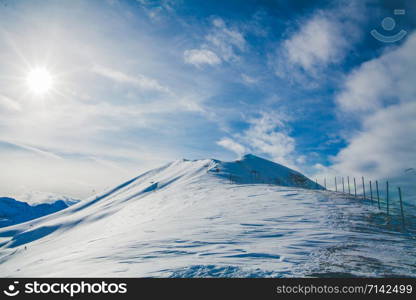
<point x="140" y="83"/>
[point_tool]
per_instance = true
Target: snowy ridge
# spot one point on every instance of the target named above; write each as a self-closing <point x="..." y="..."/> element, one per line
<point x="253" y="169"/>
<point x="189" y="218"/>
<point x="103" y="205"/>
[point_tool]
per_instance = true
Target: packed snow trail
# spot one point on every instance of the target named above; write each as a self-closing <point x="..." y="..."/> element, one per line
<point x="208" y="218"/>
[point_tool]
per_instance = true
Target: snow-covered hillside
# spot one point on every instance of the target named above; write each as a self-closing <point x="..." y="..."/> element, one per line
<point x="13" y="211"/>
<point x="253" y="169"/>
<point x="210" y="218"/>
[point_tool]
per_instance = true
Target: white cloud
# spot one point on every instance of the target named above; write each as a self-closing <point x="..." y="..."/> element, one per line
<point x="31" y="149"/>
<point x="385" y="145"/>
<point x="74" y="174"/>
<point x="381" y="81"/>
<point x="318" y="42"/>
<point x="266" y="135"/>
<point x="381" y="95"/>
<point x="9" y="104"/>
<point x="121" y="111"/>
<point x="226" y="41"/>
<point x="232" y="145"/>
<point x="156" y="10"/>
<point x="218" y="22"/>
<point x="28" y="171"/>
<point x="249" y="79"/>
<point x="200" y="57"/>
<point x="138" y="80"/>
<point x="222" y="43"/>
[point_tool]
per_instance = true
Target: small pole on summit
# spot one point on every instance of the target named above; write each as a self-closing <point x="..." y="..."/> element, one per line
<point x="387" y="196"/>
<point x="362" y="178"/>
<point x="371" y="193"/>
<point x="378" y="195"/>
<point x="401" y="205"/>
<point x="343" y="187"/>
<point x="336" y="187"/>
<point x="325" y="182"/>
<point x="355" y="189"/>
<point x="349" y="190"/>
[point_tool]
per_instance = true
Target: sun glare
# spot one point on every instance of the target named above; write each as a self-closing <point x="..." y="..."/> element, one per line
<point x="39" y="81"/>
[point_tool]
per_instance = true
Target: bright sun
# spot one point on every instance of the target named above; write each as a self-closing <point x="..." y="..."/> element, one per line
<point x="39" y="81"/>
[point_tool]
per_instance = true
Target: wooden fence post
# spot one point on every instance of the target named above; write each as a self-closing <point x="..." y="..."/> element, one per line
<point x="325" y="182"/>
<point x="362" y="178"/>
<point x="371" y="193"/>
<point x="387" y="196"/>
<point x="401" y="205"/>
<point x="343" y="188"/>
<point x="336" y="187"/>
<point x="349" y="190"/>
<point x="378" y="195"/>
<point x="355" y="189"/>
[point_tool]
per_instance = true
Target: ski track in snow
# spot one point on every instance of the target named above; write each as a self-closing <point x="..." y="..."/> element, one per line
<point x="187" y="220"/>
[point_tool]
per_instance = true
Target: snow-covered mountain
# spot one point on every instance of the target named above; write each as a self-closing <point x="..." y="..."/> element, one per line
<point x="253" y="169"/>
<point x="201" y="218"/>
<point x="13" y="211"/>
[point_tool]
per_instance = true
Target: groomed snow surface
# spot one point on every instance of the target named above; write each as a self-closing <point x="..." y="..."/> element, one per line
<point x="208" y="218"/>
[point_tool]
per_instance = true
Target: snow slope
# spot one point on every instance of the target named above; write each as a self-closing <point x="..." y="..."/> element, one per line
<point x="13" y="211"/>
<point x="210" y="218"/>
<point x="253" y="169"/>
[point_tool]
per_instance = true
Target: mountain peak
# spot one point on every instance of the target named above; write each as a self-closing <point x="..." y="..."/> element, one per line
<point x="250" y="169"/>
<point x="250" y="156"/>
<point x="253" y="169"/>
